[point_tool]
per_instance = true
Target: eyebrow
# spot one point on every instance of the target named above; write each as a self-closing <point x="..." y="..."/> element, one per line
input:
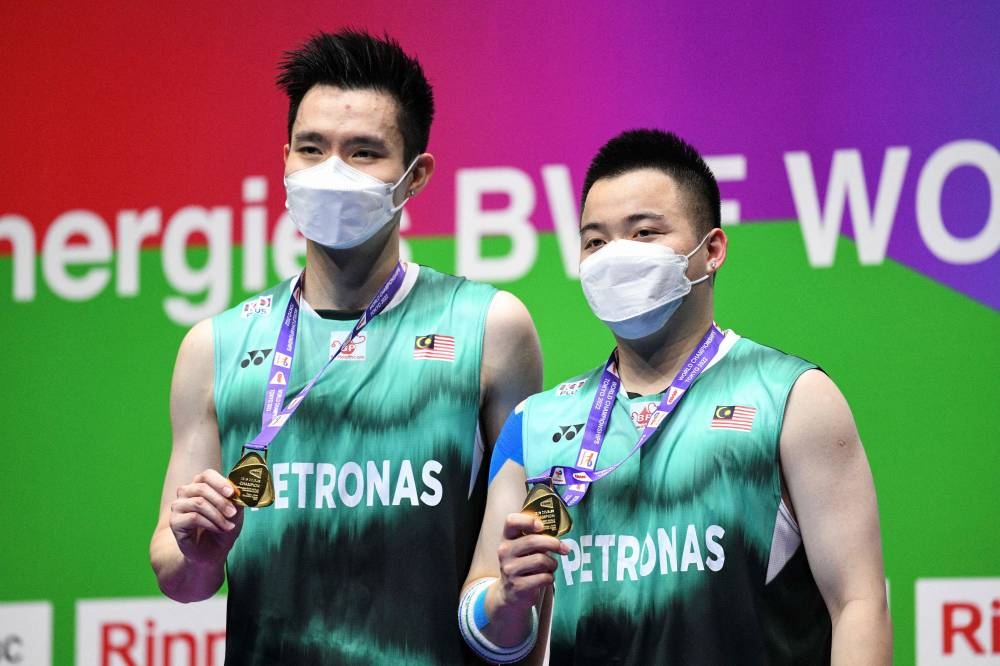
<point x="642" y="216"/>
<point x="630" y="220"/>
<point x="367" y="140"/>
<point x="309" y="136"/>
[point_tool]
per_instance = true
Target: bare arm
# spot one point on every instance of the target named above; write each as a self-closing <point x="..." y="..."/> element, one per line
<point x="833" y="495"/>
<point x="197" y="523"/>
<point x="511" y="365"/>
<point x="511" y="371"/>
<point x="512" y="549"/>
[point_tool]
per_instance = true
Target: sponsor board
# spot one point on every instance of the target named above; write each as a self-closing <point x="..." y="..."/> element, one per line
<point x="958" y="621"/>
<point x="26" y="633"/>
<point x="150" y="632"/>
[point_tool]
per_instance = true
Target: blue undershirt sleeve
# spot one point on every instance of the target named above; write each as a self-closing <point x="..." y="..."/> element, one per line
<point x="510" y="444"/>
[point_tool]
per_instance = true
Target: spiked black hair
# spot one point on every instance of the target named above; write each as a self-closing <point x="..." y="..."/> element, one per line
<point x="355" y="60"/>
<point x="666" y="152"/>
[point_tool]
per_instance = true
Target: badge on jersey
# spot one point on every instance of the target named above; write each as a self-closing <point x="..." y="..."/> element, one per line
<point x="545" y="502"/>
<point x="252" y="481"/>
<point x="733" y="417"/>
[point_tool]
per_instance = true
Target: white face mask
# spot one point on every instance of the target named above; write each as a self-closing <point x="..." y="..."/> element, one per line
<point x="635" y="287"/>
<point x="337" y="206"/>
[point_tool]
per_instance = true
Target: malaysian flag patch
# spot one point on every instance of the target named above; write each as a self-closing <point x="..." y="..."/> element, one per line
<point x="436" y="347"/>
<point x="733" y="417"/>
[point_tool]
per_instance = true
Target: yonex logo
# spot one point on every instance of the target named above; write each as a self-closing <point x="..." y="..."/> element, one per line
<point x="255" y="473"/>
<point x="255" y="356"/>
<point x="567" y="432"/>
<point x="546" y="503"/>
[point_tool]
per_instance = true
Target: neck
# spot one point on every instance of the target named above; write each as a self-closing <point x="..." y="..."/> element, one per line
<point x="648" y="365"/>
<point x="349" y="279"/>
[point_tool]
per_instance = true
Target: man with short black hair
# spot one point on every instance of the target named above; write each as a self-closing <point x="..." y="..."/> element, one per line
<point x="721" y="509"/>
<point x="381" y="384"/>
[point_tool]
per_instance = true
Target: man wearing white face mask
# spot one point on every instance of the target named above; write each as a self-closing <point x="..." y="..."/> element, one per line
<point x="352" y="407"/>
<point x="713" y="498"/>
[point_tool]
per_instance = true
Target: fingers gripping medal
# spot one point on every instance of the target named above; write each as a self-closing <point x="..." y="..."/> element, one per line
<point x="545" y="502"/>
<point x="252" y="481"/>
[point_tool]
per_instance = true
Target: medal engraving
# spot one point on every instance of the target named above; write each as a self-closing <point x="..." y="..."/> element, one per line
<point x="545" y="502"/>
<point x="252" y="481"/>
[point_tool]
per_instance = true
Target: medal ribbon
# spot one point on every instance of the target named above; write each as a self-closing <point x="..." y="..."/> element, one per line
<point x="274" y="417"/>
<point x="578" y="478"/>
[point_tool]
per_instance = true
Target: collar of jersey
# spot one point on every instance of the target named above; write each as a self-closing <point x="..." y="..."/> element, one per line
<point x="409" y="279"/>
<point x="730" y="338"/>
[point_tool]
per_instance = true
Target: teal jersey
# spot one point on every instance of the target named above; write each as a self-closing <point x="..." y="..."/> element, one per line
<point x="377" y="475"/>
<point x="685" y="554"/>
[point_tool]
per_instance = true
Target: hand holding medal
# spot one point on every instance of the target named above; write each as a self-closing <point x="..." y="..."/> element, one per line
<point x="252" y="481"/>
<point x="545" y="503"/>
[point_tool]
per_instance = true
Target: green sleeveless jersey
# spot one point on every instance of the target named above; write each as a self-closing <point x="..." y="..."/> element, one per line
<point x="379" y="493"/>
<point x="685" y="554"/>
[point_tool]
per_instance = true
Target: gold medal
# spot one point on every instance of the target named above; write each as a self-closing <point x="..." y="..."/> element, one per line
<point x="252" y="481"/>
<point x="545" y="502"/>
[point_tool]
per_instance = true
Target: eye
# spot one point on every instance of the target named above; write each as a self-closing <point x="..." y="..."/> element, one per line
<point x="307" y="149"/>
<point x="365" y="154"/>
<point x="593" y="243"/>
<point x="645" y="233"/>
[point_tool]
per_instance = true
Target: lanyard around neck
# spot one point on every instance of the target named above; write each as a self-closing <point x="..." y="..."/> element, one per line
<point x="577" y="478"/>
<point x="274" y="416"/>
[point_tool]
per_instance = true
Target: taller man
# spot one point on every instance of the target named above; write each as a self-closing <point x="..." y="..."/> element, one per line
<point x="378" y="490"/>
<point x="722" y="506"/>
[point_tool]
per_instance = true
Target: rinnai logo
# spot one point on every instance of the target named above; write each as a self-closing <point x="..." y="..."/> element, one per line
<point x="26" y="633"/>
<point x="150" y="632"/>
<point x="958" y="621"/>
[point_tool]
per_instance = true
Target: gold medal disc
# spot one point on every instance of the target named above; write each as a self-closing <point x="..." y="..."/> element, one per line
<point x="252" y="481"/>
<point x="545" y="502"/>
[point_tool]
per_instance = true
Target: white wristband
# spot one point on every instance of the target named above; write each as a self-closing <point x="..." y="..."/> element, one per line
<point x="474" y="637"/>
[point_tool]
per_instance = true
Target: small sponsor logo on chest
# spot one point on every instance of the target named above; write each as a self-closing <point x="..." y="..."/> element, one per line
<point x="355" y="350"/>
<point x="256" y="308"/>
<point x="642" y="413"/>
<point x="569" y="388"/>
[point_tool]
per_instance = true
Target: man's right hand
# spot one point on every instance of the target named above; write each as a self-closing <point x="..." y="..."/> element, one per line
<point x="204" y="519"/>
<point x="526" y="566"/>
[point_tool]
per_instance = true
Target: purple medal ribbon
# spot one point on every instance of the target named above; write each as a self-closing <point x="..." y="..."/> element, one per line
<point x="274" y="417"/>
<point x="578" y="478"/>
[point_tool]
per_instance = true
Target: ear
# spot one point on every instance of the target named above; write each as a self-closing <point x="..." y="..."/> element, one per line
<point x="284" y="153"/>
<point x="421" y="173"/>
<point x="716" y="246"/>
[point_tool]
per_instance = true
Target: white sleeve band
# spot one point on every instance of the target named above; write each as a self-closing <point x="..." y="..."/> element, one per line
<point x="481" y="645"/>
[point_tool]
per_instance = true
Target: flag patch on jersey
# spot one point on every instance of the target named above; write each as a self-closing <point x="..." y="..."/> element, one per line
<point x="436" y="347"/>
<point x="733" y="417"/>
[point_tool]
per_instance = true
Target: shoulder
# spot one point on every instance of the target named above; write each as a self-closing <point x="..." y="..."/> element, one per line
<point x="431" y="277"/>
<point x="197" y="343"/>
<point x="751" y="349"/>
<point x="752" y="358"/>
<point x="818" y="428"/>
<point x="258" y="306"/>
<point x="511" y="350"/>
<point x="578" y="388"/>
<point x="816" y="404"/>
<point x="257" y="315"/>
<point x="508" y="317"/>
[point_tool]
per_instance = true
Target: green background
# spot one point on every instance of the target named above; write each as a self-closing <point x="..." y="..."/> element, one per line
<point x="87" y="433"/>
